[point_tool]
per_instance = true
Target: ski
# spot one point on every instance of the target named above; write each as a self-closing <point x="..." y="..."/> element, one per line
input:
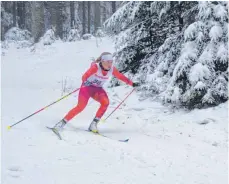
<point x="120" y="140"/>
<point x="99" y="134"/>
<point x="55" y="132"/>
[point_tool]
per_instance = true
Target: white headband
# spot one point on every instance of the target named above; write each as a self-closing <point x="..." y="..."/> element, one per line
<point x="107" y="57"/>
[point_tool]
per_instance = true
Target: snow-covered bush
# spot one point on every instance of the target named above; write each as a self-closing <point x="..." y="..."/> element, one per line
<point x="100" y="33"/>
<point x="16" y="34"/>
<point x="73" y="35"/>
<point x="19" y="37"/>
<point x="87" y="36"/>
<point x="48" y="38"/>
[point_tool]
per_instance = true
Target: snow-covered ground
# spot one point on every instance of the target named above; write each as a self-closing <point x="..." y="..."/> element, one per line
<point x="166" y="146"/>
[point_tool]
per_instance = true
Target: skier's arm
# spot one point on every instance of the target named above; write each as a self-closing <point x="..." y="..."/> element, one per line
<point x="122" y="77"/>
<point x="92" y="70"/>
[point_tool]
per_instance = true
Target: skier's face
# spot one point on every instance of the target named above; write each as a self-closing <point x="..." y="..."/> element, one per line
<point x="107" y="64"/>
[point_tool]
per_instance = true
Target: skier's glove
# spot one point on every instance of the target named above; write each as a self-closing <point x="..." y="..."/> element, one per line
<point x="135" y="84"/>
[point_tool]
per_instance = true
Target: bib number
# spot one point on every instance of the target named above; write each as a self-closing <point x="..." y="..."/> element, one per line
<point x="94" y="82"/>
<point x="97" y="82"/>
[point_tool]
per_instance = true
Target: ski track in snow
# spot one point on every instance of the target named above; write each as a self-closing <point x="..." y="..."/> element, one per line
<point x="166" y="146"/>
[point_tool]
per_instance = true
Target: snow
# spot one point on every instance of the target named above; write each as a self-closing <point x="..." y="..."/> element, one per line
<point x="176" y="95"/>
<point x="119" y="21"/>
<point x="200" y="37"/>
<point x="16" y="34"/>
<point x="222" y="53"/>
<point x="189" y="51"/>
<point x="199" y="72"/>
<point x="18" y="37"/>
<point x="73" y="35"/>
<point x="190" y="31"/>
<point x="216" y="32"/>
<point x="164" y="10"/>
<point x="208" y="97"/>
<point x="220" y="12"/>
<point x="134" y="11"/>
<point x="87" y="36"/>
<point x="166" y="145"/>
<point x="207" y="55"/>
<point x="204" y="9"/>
<point x="200" y="85"/>
<point x="48" y="38"/>
<point x="221" y="86"/>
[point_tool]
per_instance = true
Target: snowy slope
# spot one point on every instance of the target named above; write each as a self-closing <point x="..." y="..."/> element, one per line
<point x="166" y="146"/>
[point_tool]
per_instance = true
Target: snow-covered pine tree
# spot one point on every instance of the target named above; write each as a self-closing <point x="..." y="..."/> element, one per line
<point x="140" y="29"/>
<point x="201" y="73"/>
<point x="129" y="28"/>
<point x="169" y="52"/>
<point x="131" y="25"/>
<point x="158" y="69"/>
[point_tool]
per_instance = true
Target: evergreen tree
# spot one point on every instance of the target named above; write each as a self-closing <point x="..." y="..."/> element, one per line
<point x="200" y="76"/>
<point x="66" y="19"/>
<point x="179" y="49"/>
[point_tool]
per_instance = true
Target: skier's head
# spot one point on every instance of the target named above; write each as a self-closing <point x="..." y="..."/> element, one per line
<point x="106" y="60"/>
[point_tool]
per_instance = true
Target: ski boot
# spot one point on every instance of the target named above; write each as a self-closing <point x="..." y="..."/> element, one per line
<point x="93" y="126"/>
<point x="60" y="125"/>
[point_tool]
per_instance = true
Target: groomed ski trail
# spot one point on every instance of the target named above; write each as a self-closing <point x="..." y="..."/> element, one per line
<point x="166" y="146"/>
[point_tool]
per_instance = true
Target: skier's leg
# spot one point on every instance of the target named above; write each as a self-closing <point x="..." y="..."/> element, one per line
<point x="102" y="98"/>
<point x="104" y="103"/>
<point x="83" y="98"/>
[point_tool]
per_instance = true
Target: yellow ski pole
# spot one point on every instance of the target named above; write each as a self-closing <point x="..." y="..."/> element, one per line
<point x="8" y="127"/>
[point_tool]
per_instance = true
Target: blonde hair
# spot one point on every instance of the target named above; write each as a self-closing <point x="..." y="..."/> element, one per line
<point x="99" y="58"/>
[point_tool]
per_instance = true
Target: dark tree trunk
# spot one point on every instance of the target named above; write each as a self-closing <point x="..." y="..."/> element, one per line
<point x="72" y="12"/>
<point x="84" y="18"/>
<point x="97" y="15"/>
<point x="180" y="18"/>
<point x="21" y="14"/>
<point x="37" y="19"/>
<point x="14" y="14"/>
<point x="89" y="16"/>
<point x="60" y="18"/>
<point x="113" y="6"/>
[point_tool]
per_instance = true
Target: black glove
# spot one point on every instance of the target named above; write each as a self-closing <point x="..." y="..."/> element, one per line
<point x="135" y="84"/>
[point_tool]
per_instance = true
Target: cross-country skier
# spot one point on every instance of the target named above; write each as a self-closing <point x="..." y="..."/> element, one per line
<point x="92" y="87"/>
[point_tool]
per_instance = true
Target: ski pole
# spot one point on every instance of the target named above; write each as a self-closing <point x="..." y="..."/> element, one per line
<point x="119" y="105"/>
<point x="8" y="127"/>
